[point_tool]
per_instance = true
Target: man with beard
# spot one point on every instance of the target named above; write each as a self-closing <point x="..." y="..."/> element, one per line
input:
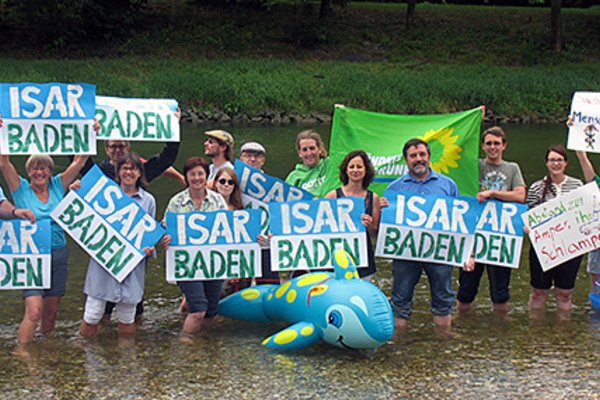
<point x="422" y="179"/>
<point x="218" y="146"/>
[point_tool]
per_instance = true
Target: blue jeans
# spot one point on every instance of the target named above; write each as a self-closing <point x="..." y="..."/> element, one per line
<point x="202" y="296"/>
<point x="407" y="275"/>
<point x="499" y="278"/>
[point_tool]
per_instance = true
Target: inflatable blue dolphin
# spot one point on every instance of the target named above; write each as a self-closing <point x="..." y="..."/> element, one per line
<point x="339" y="308"/>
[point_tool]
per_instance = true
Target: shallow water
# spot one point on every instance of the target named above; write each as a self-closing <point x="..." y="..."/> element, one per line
<point x="521" y="356"/>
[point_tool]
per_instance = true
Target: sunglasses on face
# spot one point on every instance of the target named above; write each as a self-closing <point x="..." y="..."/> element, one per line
<point x="224" y="181"/>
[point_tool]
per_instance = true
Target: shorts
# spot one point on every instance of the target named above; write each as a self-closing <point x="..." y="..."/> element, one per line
<point x="498" y="277"/>
<point x="562" y="276"/>
<point x="593" y="264"/>
<point x="58" y="275"/>
<point x="94" y="311"/>
<point x="202" y="296"/>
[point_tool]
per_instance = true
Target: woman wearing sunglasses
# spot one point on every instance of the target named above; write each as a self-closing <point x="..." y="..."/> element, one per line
<point x="227" y="185"/>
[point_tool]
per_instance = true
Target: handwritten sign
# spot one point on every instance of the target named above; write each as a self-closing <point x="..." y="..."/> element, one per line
<point x="137" y="119"/>
<point x="307" y="233"/>
<point x="25" y="255"/>
<point x="108" y="224"/>
<point x="258" y="189"/>
<point x="51" y="118"/>
<point x="499" y="234"/>
<point x="584" y="133"/>
<point x="565" y="227"/>
<point x="213" y="245"/>
<point x="431" y="228"/>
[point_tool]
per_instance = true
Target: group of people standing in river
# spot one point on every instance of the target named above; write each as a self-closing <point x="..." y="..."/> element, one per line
<point x="210" y="183"/>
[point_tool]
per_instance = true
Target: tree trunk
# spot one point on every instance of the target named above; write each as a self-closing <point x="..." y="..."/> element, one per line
<point x="325" y="10"/>
<point x="410" y="12"/>
<point x="555" y="28"/>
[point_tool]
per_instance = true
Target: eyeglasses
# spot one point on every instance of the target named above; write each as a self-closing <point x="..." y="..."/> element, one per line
<point x="556" y="160"/>
<point x="493" y="143"/>
<point x="116" y="146"/>
<point x="224" y="181"/>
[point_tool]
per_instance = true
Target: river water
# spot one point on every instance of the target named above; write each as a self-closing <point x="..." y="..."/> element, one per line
<point x="542" y="356"/>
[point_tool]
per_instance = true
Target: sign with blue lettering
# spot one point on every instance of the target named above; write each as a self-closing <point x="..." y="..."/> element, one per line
<point x="25" y="254"/>
<point x="307" y="233"/>
<point x="258" y="189"/>
<point x="584" y="133"/>
<point x="152" y="120"/>
<point x="108" y="224"/>
<point x="49" y="118"/>
<point x="213" y="245"/>
<point x="499" y="234"/>
<point x="431" y="228"/>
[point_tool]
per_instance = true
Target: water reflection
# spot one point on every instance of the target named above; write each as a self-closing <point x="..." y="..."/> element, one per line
<point x="521" y="356"/>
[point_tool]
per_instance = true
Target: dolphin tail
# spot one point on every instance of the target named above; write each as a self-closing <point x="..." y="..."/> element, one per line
<point x="247" y="304"/>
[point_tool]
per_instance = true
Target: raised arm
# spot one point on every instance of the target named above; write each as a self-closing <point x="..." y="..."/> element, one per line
<point x="10" y="173"/>
<point x="69" y="175"/>
<point x="586" y="166"/>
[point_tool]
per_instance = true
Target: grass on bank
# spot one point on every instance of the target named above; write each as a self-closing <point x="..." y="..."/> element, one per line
<point x="252" y="86"/>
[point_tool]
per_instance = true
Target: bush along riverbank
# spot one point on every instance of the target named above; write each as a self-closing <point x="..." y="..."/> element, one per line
<point x="284" y="91"/>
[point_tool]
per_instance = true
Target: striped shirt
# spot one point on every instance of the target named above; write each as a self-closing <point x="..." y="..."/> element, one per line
<point x="534" y="195"/>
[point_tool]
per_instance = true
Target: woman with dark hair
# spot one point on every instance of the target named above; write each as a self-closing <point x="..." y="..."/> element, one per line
<point x="228" y="186"/>
<point x="563" y="276"/>
<point x="100" y="286"/>
<point x="357" y="173"/>
<point x="202" y="296"/>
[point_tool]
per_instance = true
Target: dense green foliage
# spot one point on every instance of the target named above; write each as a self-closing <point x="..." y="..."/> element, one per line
<point x="252" y="86"/>
<point x="249" y="60"/>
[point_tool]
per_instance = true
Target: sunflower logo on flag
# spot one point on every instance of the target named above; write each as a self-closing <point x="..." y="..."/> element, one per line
<point x="445" y="153"/>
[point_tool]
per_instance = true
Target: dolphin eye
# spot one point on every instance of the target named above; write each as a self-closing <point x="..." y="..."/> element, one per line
<point x="335" y="318"/>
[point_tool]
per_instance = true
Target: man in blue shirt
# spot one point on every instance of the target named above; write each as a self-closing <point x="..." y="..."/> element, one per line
<point x="423" y="180"/>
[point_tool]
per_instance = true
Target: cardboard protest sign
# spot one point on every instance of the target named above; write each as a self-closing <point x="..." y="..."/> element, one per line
<point x="307" y="233"/>
<point x="499" y="234"/>
<point x="258" y="189"/>
<point x="150" y="120"/>
<point x="108" y="224"/>
<point x="213" y="245"/>
<point x="50" y="118"/>
<point x="25" y="255"/>
<point x="584" y="133"/>
<point x="565" y="227"/>
<point x="431" y="228"/>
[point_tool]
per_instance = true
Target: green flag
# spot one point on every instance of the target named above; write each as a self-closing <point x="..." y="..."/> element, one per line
<point x="453" y="139"/>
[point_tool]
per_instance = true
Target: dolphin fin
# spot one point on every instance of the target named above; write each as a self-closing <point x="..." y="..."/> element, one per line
<point x="294" y="337"/>
<point x="247" y="304"/>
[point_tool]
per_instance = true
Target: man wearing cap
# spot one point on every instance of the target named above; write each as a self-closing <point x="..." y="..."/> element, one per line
<point x="219" y="147"/>
<point x="253" y="154"/>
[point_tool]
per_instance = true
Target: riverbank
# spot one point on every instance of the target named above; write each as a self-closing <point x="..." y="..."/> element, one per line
<point x="278" y="65"/>
<point x="286" y="91"/>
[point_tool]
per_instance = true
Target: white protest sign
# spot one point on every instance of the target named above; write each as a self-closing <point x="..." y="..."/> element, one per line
<point x="213" y="245"/>
<point x="431" y="228"/>
<point x="565" y="227"/>
<point x="108" y="224"/>
<point x="52" y="118"/>
<point x="151" y="120"/>
<point x="584" y="133"/>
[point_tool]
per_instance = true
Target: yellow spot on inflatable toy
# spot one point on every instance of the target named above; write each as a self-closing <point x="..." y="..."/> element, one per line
<point x="250" y="294"/>
<point x="317" y="290"/>
<point x="307" y="331"/>
<point x="349" y="275"/>
<point x="311" y="278"/>
<point x="342" y="259"/>
<point x="291" y="296"/>
<point x="285" y="337"/>
<point x="266" y="340"/>
<point x="280" y="292"/>
<point x="270" y="296"/>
